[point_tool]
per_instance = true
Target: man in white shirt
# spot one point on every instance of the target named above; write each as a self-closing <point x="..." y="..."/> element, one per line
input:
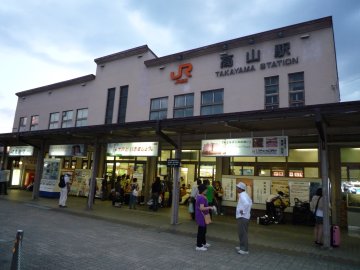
<point x="64" y="191"/>
<point x="243" y="209"/>
<point x="193" y="194"/>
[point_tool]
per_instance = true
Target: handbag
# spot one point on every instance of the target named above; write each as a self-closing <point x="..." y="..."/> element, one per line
<point x="207" y="218"/>
<point x="316" y="207"/>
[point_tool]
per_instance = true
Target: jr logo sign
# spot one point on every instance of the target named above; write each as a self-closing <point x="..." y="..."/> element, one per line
<point x="184" y="69"/>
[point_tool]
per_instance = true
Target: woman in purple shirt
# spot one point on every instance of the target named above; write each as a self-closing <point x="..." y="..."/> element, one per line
<point x="201" y="208"/>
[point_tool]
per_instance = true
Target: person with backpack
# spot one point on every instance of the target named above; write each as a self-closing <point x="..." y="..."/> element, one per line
<point x="64" y="186"/>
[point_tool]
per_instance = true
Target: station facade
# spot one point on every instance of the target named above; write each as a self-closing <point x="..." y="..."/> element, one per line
<point x="263" y="109"/>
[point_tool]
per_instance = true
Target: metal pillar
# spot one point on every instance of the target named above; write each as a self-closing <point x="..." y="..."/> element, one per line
<point x="94" y="174"/>
<point x="321" y="126"/>
<point x="38" y="171"/>
<point x="175" y="193"/>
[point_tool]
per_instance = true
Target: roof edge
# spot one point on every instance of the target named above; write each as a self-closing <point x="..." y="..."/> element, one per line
<point x="74" y="81"/>
<point x="123" y="54"/>
<point x="300" y="28"/>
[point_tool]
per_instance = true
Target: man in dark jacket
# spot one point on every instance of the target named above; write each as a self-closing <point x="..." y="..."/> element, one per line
<point x="155" y="193"/>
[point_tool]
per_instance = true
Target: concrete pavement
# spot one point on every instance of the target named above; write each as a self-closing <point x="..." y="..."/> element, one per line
<point x="282" y="241"/>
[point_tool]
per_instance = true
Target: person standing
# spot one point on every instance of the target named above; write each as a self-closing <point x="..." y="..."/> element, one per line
<point x="133" y="194"/>
<point x="155" y="193"/>
<point x="243" y="209"/>
<point x="219" y="192"/>
<point x="64" y="191"/>
<point x="317" y="207"/>
<point x="210" y="194"/>
<point x="201" y="209"/>
<point x="193" y="194"/>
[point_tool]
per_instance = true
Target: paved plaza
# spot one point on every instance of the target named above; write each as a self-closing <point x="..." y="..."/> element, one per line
<point x="119" y="238"/>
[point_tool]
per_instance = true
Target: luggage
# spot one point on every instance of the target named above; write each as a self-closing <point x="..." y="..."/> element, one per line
<point x="335" y="236"/>
<point x="264" y="220"/>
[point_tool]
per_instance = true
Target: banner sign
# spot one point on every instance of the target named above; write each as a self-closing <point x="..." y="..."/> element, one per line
<point x="21" y="151"/>
<point x="249" y="147"/>
<point x="66" y="150"/>
<point x="135" y="149"/>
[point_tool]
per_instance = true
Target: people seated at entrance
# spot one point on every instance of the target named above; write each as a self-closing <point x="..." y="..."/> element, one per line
<point x="184" y="194"/>
<point x="273" y="201"/>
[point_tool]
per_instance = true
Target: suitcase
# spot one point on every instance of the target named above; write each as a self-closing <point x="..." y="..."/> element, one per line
<point x="335" y="236"/>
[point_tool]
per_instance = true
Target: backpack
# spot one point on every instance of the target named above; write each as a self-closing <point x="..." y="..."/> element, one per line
<point x="62" y="182"/>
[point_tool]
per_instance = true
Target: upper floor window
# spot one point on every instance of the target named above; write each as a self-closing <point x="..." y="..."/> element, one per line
<point x="34" y="125"/>
<point x="184" y="105"/>
<point x="123" y="103"/>
<point x="296" y="89"/>
<point x="54" y="120"/>
<point x="158" y="108"/>
<point x="110" y="106"/>
<point x="81" y="117"/>
<point x="212" y="102"/>
<point x="272" y="92"/>
<point x="67" y="118"/>
<point x="22" y="123"/>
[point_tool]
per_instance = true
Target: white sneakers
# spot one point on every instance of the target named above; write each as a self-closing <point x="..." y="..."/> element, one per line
<point x="203" y="248"/>
<point x="242" y="252"/>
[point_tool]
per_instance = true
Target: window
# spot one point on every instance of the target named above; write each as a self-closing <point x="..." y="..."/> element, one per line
<point x="296" y="89"/>
<point x="272" y="92"/>
<point x="212" y="102"/>
<point x="54" y="120"/>
<point x="22" y="123"/>
<point x="184" y="105"/>
<point x="67" y="117"/>
<point x="81" y="117"/>
<point x="123" y="103"/>
<point x="110" y="106"/>
<point x="158" y="108"/>
<point x="34" y="125"/>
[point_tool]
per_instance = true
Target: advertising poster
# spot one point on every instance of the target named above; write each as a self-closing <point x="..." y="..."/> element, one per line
<point x="281" y="185"/>
<point x="50" y="178"/>
<point x="229" y="187"/>
<point x="261" y="191"/>
<point x="299" y="190"/>
<point x="80" y="182"/>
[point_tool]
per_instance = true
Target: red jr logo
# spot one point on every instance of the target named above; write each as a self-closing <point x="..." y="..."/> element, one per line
<point x="186" y="68"/>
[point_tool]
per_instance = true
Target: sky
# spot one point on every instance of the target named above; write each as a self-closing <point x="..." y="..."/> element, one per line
<point x="48" y="41"/>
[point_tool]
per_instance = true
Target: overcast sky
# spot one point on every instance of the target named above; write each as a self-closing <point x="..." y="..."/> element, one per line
<point x="48" y="41"/>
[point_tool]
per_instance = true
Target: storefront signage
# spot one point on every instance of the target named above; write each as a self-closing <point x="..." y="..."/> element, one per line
<point x="250" y="147"/>
<point x="65" y="150"/>
<point x="21" y="151"/>
<point x="183" y="69"/>
<point x="144" y="149"/>
<point x="280" y="51"/>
